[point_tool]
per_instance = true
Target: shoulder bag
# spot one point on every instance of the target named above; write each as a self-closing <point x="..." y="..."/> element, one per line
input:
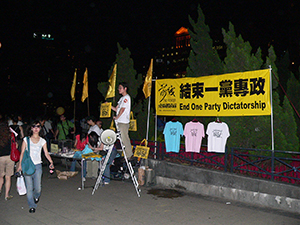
<point x="132" y="124"/>
<point x="28" y="166"/>
<point x="14" y="152"/>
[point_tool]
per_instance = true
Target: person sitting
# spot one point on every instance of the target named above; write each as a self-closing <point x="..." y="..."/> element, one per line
<point x="91" y="140"/>
<point x="81" y="141"/>
<point x="97" y="146"/>
<point x="100" y="148"/>
<point x="93" y="126"/>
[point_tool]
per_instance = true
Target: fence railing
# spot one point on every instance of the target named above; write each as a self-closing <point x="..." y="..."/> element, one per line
<point x="283" y="166"/>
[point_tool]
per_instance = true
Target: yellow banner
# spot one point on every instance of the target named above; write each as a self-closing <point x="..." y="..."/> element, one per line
<point x="234" y="94"/>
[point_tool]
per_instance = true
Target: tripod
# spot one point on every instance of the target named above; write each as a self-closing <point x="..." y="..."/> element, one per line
<point x="129" y="166"/>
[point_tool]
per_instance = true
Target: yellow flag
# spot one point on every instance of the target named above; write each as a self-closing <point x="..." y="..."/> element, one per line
<point x="148" y="81"/>
<point x="73" y="86"/>
<point x="112" y="83"/>
<point x="85" y="89"/>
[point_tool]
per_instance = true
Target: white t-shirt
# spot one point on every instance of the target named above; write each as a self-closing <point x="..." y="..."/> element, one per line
<point x="35" y="150"/>
<point x="217" y="137"/>
<point x="124" y="102"/>
<point x="96" y="129"/>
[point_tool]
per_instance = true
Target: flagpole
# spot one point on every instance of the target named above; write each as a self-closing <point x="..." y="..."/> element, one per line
<point x="149" y="102"/>
<point x="155" y="149"/>
<point x="147" y="92"/>
<point x="74" y="116"/>
<point x="272" y="118"/>
<point x="88" y="105"/>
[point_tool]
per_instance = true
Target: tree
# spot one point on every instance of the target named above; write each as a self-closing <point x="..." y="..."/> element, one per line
<point x="270" y="61"/>
<point x="239" y="56"/>
<point x="254" y="131"/>
<point x="293" y="92"/>
<point x="125" y="73"/>
<point x="203" y="59"/>
<point x="284" y="73"/>
<point x="141" y="113"/>
<point x="290" y="132"/>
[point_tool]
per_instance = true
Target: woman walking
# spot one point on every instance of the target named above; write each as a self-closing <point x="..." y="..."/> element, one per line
<point x="33" y="182"/>
<point x="6" y="164"/>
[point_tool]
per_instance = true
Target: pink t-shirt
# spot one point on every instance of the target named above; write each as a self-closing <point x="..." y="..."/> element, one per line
<point x="193" y="132"/>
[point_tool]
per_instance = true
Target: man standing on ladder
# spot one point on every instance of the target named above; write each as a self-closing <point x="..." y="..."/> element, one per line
<point x="123" y="117"/>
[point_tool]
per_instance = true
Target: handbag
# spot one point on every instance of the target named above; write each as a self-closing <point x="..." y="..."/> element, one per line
<point x="142" y="151"/>
<point x="105" y="110"/>
<point x="28" y="166"/>
<point x="21" y="188"/>
<point x="14" y="153"/>
<point x="132" y="124"/>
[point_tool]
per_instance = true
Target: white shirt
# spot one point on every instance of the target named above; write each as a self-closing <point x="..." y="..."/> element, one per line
<point x="124" y="102"/>
<point x="217" y="136"/>
<point x="96" y="129"/>
<point x="35" y="150"/>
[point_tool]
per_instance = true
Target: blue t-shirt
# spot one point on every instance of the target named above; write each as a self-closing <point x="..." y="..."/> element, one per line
<point x="172" y="132"/>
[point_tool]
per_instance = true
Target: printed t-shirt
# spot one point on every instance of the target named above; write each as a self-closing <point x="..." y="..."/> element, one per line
<point x="172" y="133"/>
<point x="124" y="102"/>
<point x="217" y="137"/>
<point x="193" y="132"/>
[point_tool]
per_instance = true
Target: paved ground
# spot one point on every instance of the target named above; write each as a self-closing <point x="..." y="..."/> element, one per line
<point x="117" y="203"/>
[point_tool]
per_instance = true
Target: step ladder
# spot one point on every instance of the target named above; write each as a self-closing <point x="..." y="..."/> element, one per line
<point x="100" y="180"/>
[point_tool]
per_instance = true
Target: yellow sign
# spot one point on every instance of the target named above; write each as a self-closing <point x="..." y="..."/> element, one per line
<point x="235" y="94"/>
<point x="105" y="110"/>
<point x="54" y="148"/>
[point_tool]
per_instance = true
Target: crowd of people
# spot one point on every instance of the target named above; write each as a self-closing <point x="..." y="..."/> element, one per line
<point x="38" y="135"/>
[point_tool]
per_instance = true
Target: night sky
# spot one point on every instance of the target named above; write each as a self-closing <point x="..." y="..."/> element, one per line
<point x="91" y="30"/>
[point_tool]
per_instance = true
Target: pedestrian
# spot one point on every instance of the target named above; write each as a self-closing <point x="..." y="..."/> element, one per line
<point x="65" y="129"/>
<point x="33" y="182"/>
<point x="6" y="164"/>
<point x="18" y="130"/>
<point x="47" y="130"/>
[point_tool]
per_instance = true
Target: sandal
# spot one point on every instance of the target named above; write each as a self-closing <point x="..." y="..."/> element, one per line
<point x="8" y="197"/>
